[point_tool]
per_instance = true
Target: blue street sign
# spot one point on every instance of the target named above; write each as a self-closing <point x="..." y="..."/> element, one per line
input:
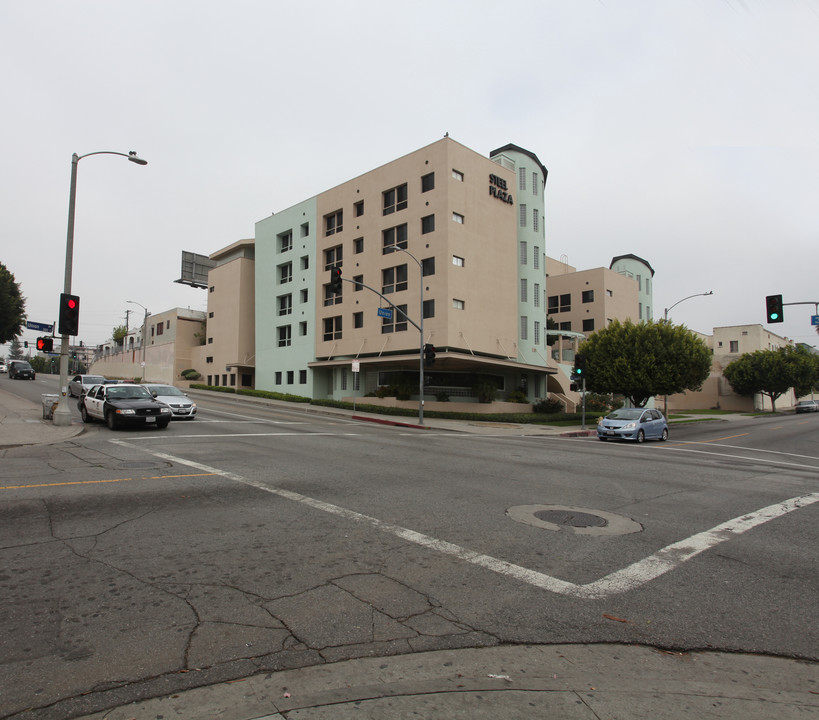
<point x="39" y="327"/>
<point x="814" y="319"/>
<point x="385" y="313"/>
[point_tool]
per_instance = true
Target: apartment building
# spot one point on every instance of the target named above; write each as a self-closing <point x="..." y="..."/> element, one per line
<point x="443" y="239"/>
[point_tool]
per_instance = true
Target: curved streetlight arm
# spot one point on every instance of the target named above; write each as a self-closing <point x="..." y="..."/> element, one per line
<point x="710" y="292"/>
<point x="62" y="414"/>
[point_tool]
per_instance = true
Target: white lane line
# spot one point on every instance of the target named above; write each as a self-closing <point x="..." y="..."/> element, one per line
<point x="620" y="581"/>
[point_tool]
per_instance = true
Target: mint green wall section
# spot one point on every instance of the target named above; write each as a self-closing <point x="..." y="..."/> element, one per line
<point x="285" y="298"/>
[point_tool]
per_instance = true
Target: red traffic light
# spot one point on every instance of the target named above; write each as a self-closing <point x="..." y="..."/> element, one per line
<point x="69" y="322"/>
<point x="72" y="303"/>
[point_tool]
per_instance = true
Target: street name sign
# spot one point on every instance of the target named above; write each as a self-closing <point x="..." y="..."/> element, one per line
<point x="40" y="327"/>
<point x="385" y="313"/>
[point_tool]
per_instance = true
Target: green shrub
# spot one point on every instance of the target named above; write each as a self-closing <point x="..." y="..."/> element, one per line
<point x="190" y="374"/>
<point x="547" y="406"/>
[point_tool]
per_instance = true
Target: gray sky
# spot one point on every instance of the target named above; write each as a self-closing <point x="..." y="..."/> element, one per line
<point x="682" y="131"/>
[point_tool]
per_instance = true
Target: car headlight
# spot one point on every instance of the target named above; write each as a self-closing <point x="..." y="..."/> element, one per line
<point x="126" y="412"/>
<point x="165" y="410"/>
<point x="630" y="426"/>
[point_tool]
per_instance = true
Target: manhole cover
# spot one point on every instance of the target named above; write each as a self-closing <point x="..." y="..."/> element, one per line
<point x="580" y="521"/>
<point x="571" y="518"/>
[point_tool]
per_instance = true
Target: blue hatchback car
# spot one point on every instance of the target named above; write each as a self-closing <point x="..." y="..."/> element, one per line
<point x="633" y="424"/>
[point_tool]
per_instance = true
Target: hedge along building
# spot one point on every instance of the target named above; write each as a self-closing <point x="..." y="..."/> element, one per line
<point x="466" y="228"/>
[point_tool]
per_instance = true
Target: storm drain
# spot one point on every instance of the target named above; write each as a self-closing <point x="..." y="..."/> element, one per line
<point x="581" y="521"/>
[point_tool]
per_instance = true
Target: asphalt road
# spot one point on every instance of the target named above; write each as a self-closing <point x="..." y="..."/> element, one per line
<point x="141" y="562"/>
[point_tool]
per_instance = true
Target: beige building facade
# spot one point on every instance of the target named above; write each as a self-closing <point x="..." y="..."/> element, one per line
<point x="727" y="344"/>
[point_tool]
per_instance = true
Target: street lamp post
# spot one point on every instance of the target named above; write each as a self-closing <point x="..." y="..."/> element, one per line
<point x="144" y="335"/>
<point x="665" y="317"/>
<point x="62" y="413"/>
<point x="421" y="330"/>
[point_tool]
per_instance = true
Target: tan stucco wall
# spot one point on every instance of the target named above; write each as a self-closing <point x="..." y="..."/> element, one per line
<point x="487" y="240"/>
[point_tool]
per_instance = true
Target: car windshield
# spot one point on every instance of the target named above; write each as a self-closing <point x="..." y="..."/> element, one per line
<point x="129" y="393"/>
<point x="165" y="390"/>
<point x="92" y="379"/>
<point x="22" y="364"/>
<point x="626" y="414"/>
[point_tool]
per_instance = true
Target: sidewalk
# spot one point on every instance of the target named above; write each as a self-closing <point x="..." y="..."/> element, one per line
<point x="564" y="682"/>
<point x="577" y="682"/>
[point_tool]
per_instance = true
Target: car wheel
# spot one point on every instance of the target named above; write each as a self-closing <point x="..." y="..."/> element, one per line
<point x="109" y="419"/>
<point x="86" y="418"/>
<point x="664" y="436"/>
<point x="641" y="436"/>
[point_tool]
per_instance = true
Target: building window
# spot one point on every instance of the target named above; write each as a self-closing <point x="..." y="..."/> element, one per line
<point x="537" y="333"/>
<point x="640" y="310"/>
<point x="285" y="273"/>
<point x="428" y="182"/>
<point x="285" y="241"/>
<point x="393" y="279"/>
<point x="524" y="290"/>
<point x="523" y="215"/>
<point x="333" y="223"/>
<point x="333" y="257"/>
<point x="331" y="298"/>
<point x="303" y="328"/>
<point x="427" y="224"/>
<point x="535" y="219"/>
<point x="427" y="266"/>
<point x="588" y="325"/>
<point x="303" y="295"/>
<point x="284" y="335"/>
<point x="648" y="286"/>
<point x="536" y="294"/>
<point x="458" y="218"/>
<point x="640" y="283"/>
<point x="302" y="377"/>
<point x="567" y="326"/>
<point x="210" y="315"/>
<point x="522" y="178"/>
<point x="211" y="288"/>
<point x="534" y="183"/>
<point x="358" y="320"/>
<point x="285" y="304"/>
<point x="588" y="296"/>
<point x="429" y="309"/>
<point x="358" y="283"/>
<point x="356" y="381"/>
<point x="358" y="246"/>
<point x="733" y="346"/>
<point x="305" y="229"/>
<point x="524" y="252"/>
<point x="278" y="377"/>
<point x="359" y="208"/>
<point x="305" y="262"/>
<point x="457" y="261"/>
<point x="395" y="199"/>
<point x="396" y="236"/>
<point x="536" y="258"/>
<point x="332" y="328"/>
<point x="458" y="175"/>
<point x="160" y="328"/>
<point x="552" y="304"/>
<point x="458" y="304"/>
<point x="398" y="321"/>
<point x="524" y="327"/>
<point x="210" y="341"/>
<point x="566" y="302"/>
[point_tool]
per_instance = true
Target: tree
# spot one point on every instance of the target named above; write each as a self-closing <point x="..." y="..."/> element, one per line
<point x="773" y="373"/>
<point x="12" y="306"/>
<point x="15" y="350"/>
<point x="646" y="359"/>
<point x="119" y="333"/>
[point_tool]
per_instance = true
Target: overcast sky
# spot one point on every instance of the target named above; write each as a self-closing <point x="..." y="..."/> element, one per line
<point x="682" y="131"/>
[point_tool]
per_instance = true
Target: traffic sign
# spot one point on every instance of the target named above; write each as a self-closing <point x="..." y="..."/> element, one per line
<point x="39" y="327"/>
<point x="385" y="313"/>
<point x="814" y="319"/>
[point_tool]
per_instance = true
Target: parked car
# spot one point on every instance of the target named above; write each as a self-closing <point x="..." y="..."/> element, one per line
<point x="633" y="424"/>
<point x="123" y="404"/>
<point x="80" y="384"/>
<point x="182" y="407"/>
<point x="21" y="370"/>
<point x="3" y="367"/>
<point x="807" y="406"/>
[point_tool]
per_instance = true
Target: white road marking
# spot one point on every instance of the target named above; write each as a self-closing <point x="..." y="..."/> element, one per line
<point x="620" y="581"/>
